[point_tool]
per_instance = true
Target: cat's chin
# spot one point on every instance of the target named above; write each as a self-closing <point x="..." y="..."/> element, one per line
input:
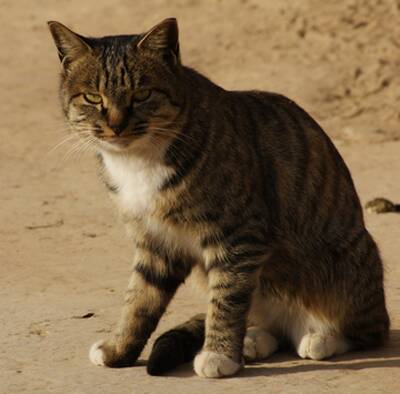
<point x="139" y="146"/>
<point x="117" y="144"/>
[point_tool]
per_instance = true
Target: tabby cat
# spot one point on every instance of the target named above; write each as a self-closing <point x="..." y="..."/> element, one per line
<point x="242" y="189"/>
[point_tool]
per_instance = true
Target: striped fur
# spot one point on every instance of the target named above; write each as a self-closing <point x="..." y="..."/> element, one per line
<point x="243" y="187"/>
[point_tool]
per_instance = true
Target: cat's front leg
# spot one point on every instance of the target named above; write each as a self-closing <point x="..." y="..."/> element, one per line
<point x="153" y="282"/>
<point x="230" y="291"/>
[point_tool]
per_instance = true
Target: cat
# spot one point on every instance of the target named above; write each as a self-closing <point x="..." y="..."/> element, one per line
<point x="244" y="190"/>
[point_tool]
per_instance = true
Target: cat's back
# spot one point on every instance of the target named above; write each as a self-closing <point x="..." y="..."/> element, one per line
<point x="305" y="182"/>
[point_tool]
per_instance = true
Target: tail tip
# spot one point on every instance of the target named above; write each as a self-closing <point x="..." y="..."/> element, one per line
<point x="167" y="353"/>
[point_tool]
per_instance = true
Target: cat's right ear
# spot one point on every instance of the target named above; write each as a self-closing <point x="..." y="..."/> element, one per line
<point x="162" y="38"/>
<point x="71" y="46"/>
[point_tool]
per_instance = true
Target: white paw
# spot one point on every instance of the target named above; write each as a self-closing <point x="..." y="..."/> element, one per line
<point x="318" y="346"/>
<point x="96" y="355"/>
<point x="258" y="344"/>
<point x="213" y="365"/>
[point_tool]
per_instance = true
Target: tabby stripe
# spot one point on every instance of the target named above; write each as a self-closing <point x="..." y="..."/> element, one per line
<point x="239" y="297"/>
<point x="368" y="253"/>
<point x="147" y="325"/>
<point x="208" y="217"/>
<point x="106" y="72"/>
<point x="317" y="201"/>
<point x="221" y="306"/>
<point x="150" y="317"/>
<point x="122" y="76"/>
<point x="187" y="161"/>
<point x="97" y="81"/>
<point x="246" y="239"/>
<point x="343" y="252"/>
<point x="249" y="267"/>
<point x="115" y="81"/>
<point x="239" y="256"/>
<point x="176" y="212"/>
<point x="154" y="248"/>
<point x="73" y="97"/>
<point x="303" y="153"/>
<point x="223" y="323"/>
<point x="334" y="192"/>
<point x="217" y="338"/>
<point x="350" y="205"/>
<point x="358" y="286"/>
<point x="168" y="95"/>
<point x="126" y="81"/>
<point x="226" y="231"/>
<point x="223" y="286"/>
<point x="268" y="170"/>
<point x="209" y="162"/>
<point x="240" y="261"/>
<point x="162" y="282"/>
<point x="355" y="240"/>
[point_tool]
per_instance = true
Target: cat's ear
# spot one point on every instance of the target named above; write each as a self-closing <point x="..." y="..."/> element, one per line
<point x="70" y="46"/>
<point x="162" y="38"/>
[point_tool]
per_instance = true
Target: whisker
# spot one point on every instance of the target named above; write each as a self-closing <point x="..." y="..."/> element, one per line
<point x="81" y="145"/>
<point x="62" y="142"/>
<point x="171" y="133"/>
<point x="159" y="126"/>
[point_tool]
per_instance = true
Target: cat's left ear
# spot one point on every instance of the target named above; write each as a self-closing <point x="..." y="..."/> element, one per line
<point x="162" y="38"/>
<point x="71" y="46"/>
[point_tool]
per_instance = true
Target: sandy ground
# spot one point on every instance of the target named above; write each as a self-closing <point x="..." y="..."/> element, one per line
<point x="63" y="254"/>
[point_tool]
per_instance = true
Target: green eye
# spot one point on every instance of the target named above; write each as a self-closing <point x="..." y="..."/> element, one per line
<point x="93" y="98"/>
<point x="142" y="95"/>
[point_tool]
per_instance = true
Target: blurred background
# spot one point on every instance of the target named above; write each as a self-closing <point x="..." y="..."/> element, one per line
<point x="64" y="257"/>
<point x="339" y="59"/>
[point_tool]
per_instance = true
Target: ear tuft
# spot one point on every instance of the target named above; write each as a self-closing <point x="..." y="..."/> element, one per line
<point x="162" y="37"/>
<point x="70" y="45"/>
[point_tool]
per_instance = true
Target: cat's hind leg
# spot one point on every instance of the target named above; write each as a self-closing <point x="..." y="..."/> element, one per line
<point x="317" y="340"/>
<point x="319" y="346"/>
<point x="280" y="319"/>
<point x="258" y="344"/>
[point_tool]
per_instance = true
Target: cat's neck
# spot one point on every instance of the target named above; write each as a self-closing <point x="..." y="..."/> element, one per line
<point x="199" y="87"/>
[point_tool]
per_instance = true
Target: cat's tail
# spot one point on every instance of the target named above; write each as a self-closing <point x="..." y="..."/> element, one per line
<point x="177" y="346"/>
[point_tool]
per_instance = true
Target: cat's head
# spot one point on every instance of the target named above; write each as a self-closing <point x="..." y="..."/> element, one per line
<point x="119" y="91"/>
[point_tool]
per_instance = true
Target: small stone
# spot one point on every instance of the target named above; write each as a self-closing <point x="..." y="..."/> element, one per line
<point x="380" y="205"/>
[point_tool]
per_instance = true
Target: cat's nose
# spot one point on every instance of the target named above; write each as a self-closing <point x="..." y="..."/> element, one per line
<point x="117" y="120"/>
<point x="117" y="129"/>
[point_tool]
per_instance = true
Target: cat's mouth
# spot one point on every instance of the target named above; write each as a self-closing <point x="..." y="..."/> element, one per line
<point x="120" y="141"/>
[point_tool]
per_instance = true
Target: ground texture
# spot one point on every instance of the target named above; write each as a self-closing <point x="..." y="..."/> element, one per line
<point x="64" y="259"/>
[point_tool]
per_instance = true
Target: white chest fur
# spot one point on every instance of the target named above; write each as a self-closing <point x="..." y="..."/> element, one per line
<point x="137" y="180"/>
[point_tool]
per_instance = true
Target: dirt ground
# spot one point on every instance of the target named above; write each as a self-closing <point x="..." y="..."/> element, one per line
<point x="63" y="254"/>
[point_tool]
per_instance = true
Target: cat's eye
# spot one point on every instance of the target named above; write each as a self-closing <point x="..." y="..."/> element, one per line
<point x="142" y="95"/>
<point x="93" y="98"/>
